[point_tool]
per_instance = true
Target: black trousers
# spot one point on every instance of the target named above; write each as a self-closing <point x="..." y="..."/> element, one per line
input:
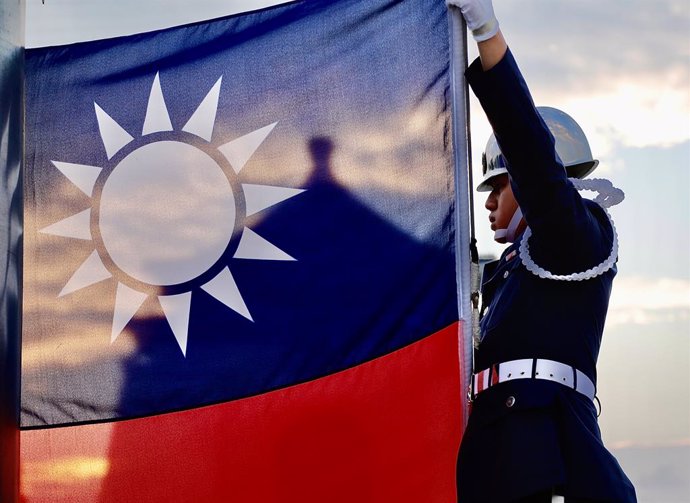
<point x="541" y="497"/>
<point x="546" y="496"/>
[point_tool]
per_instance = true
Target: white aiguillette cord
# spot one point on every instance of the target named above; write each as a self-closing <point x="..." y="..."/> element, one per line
<point x="607" y="196"/>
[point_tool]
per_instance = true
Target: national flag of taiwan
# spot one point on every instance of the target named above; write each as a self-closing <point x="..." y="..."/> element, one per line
<point x="240" y="263"/>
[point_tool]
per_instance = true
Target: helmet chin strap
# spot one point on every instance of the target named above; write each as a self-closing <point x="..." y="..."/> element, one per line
<point x="508" y="235"/>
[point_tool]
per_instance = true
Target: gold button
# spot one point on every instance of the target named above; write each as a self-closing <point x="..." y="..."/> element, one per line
<point x="510" y="401"/>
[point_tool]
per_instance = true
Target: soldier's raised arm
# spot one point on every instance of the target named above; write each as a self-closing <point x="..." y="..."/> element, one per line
<point x="538" y="157"/>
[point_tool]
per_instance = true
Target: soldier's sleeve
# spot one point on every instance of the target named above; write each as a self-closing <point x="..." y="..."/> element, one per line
<point x="569" y="234"/>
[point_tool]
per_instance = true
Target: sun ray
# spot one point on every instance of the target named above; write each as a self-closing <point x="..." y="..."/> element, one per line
<point x="202" y="120"/>
<point x="152" y="153"/>
<point x="253" y="246"/>
<point x="224" y="289"/>
<point x="77" y="226"/>
<point x="81" y="175"/>
<point x="91" y="271"/>
<point x="260" y="197"/>
<point x="113" y="135"/>
<point x="238" y="151"/>
<point x="157" y="117"/>
<point x="127" y="303"/>
<point x="176" y="310"/>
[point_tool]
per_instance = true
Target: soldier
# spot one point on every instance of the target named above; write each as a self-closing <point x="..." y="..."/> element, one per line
<point x="533" y="431"/>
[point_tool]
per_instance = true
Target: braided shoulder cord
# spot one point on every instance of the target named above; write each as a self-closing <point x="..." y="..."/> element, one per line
<point x="607" y="196"/>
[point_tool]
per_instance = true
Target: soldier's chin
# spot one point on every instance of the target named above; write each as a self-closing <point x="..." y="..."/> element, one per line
<point x="500" y="236"/>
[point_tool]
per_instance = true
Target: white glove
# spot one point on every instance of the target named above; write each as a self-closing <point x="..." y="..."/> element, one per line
<point x="479" y="16"/>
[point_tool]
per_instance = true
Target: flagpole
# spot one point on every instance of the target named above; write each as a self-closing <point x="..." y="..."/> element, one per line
<point x="464" y="236"/>
<point x="11" y="223"/>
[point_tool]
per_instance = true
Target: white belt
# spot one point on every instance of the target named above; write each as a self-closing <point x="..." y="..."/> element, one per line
<point x="532" y="368"/>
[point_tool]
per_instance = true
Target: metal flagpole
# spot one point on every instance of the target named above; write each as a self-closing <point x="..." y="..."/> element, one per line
<point x="466" y="254"/>
<point x="11" y="218"/>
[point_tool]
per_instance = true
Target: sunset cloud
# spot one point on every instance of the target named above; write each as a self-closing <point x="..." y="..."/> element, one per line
<point x="621" y="69"/>
<point x="645" y="301"/>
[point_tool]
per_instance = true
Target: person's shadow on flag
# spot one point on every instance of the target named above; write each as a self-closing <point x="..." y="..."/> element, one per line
<point x="359" y="288"/>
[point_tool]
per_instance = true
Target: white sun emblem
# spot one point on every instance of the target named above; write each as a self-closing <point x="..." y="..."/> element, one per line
<point x="166" y="213"/>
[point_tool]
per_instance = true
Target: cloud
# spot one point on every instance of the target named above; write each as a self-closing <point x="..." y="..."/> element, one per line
<point x="637" y="444"/>
<point x="639" y="114"/>
<point x="645" y="301"/>
<point x="589" y="45"/>
<point x="619" y="68"/>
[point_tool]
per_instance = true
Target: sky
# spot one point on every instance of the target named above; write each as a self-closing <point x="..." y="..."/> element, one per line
<point x="621" y="68"/>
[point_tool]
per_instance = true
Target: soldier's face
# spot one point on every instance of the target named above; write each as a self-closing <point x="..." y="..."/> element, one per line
<point x="501" y="203"/>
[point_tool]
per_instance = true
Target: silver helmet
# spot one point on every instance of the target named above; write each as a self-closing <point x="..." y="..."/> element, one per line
<point x="571" y="146"/>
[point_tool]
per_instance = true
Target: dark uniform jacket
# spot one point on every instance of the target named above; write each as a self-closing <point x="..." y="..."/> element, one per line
<point x="528" y="435"/>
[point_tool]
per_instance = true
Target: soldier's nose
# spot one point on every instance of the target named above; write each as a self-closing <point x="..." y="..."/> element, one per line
<point x="490" y="203"/>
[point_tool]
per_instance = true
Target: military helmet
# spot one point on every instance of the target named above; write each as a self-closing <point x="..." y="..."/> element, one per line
<point x="571" y="146"/>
